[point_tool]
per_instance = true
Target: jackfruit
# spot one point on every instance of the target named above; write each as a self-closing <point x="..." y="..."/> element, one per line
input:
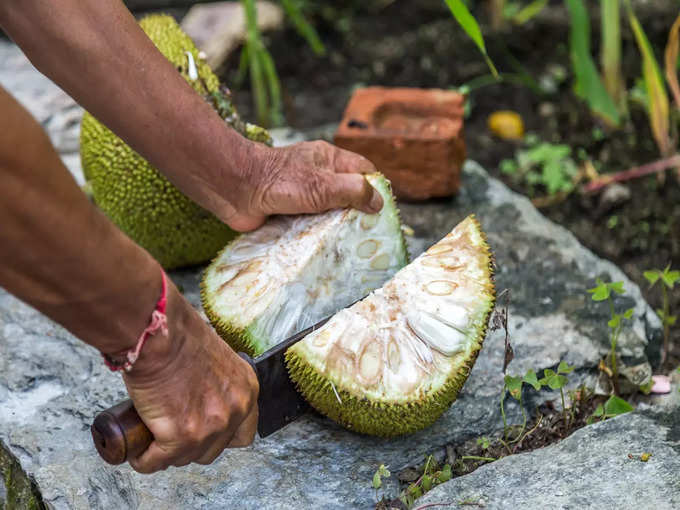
<point x="133" y="194"/>
<point x="392" y="363"/>
<point x="295" y="270"/>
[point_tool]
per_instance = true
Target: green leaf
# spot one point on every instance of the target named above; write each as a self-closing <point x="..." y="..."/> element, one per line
<point x="601" y="292"/>
<point x="530" y="378"/>
<point x="564" y="368"/>
<point x="557" y="381"/>
<point x="514" y="385"/>
<point x="652" y="276"/>
<point x="589" y="86"/>
<point x="671" y="320"/>
<point x="628" y="313"/>
<point x="529" y="11"/>
<point x="616" y="406"/>
<point x="599" y="410"/>
<point x="427" y="483"/>
<point x="294" y="12"/>
<point x="670" y="277"/>
<point x="445" y="474"/>
<point x="508" y="166"/>
<point x="471" y="27"/>
<point x="614" y="321"/>
<point x="377" y="482"/>
<point x="617" y="287"/>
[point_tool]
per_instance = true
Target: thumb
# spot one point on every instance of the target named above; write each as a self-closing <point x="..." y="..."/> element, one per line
<point x="353" y="190"/>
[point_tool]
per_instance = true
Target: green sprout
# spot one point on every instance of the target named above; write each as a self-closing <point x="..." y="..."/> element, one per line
<point x="513" y="386"/>
<point x="603" y="292"/>
<point x="382" y="472"/>
<point x="557" y="381"/>
<point x="667" y="279"/>
<point x="433" y="475"/>
<point x="614" y="406"/>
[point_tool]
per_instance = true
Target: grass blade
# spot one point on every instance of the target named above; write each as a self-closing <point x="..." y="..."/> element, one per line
<point x="529" y="11"/>
<point x="471" y="27"/>
<point x="671" y="58"/>
<point x="656" y="90"/>
<point x="588" y="86"/>
<point x="303" y="27"/>
<point x="610" y="56"/>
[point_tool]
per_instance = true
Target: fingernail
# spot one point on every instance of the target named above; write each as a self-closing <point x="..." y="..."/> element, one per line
<point x="376" y="203"/>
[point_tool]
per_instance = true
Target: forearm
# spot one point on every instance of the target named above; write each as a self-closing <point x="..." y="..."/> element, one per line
<point x="94" y="49"/>
<point x="57" y="252"/>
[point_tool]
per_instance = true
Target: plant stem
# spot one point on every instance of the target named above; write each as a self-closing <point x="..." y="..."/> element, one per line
<point x="564" y="411"/>
<point x="632" y="173"/>
<point x="505" y="422"/>
<point x="612" y="353"/>
<point x="524" y="422"/>
<point x="666" y="324"/>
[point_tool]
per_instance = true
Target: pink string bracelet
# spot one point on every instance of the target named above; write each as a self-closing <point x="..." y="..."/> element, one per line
<point x="158" y="322"/>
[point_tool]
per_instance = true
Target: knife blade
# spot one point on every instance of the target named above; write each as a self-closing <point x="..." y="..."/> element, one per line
<point x="119" y="433"/>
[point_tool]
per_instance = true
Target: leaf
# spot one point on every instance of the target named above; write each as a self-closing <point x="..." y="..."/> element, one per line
<point x="652" y="276"/>
<point x="427" y="483"/>
<point x="445" y="474"/>
<point x="471" y="27"/>
<point x="529" y="11"/>
<point x="601" y="292"/>
<point x="377" y="482"/>
<point x="599" y="410"/>
<point x="529" y="378"/>
<point x="670" y="277"/>
<point x="294" y="12"/>
<point x="628" y="313"/>
<point x="508" y="166"/>
<point x="610" y="49"/>
<point x="617" y="287"/>
<point x="614" y="321"/>
<point x="557" y="381"/>
<point x="671" y="320"/>
<point x="564" y="368"/>
<point x="589" y="86"/>
<point x="658" y="110"/>
<point x="616" y="406"/>
<point x="671" y="58"/>
<point x="514" y="385"/>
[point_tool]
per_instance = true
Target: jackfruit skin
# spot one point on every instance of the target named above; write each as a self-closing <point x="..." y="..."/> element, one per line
<point x="134" y="195"/>
<point x="243" y="339"/>
<point x="359" y="414"/>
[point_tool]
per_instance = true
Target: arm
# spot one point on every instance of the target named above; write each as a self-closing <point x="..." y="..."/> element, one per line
<point x="61" y="255"/>
<point x="97" y="53"/>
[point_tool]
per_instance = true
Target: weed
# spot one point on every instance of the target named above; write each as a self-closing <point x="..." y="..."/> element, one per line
<point x="382" y="472"/>
<point x="543" y="164"/>
<point x="667" y="279"/>
<point x="603" y="292"/>
<point x="614" y="406"/>
<point x="433" y="475"/>
<point x="557" y="381"/>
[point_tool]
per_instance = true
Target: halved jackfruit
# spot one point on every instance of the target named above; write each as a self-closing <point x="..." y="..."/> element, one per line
<point x="394" y="362"/>
<point x="295" y="270"/>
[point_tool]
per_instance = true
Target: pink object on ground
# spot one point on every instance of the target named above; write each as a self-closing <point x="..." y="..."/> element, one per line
<point x="413" y="136"/>
<point x="662" y="384"/>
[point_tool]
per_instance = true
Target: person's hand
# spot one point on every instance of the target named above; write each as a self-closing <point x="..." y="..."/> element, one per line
<point x="308" y="177"/>
<point x="194" y="393"/>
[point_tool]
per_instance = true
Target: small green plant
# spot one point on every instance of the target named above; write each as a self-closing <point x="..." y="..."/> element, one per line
<point x="557" y="381"/>
<point x="603" y="292"/>
<point x="667" y="279"/>
<point x="513" y="386"/>
<point x="543" y="164"/>
<point x="433" y="475"/>
<point x="381" y="472"/>
<point x="484" y="442"/>
<point x="614" y="406"/>
<point x="469" y="24"/>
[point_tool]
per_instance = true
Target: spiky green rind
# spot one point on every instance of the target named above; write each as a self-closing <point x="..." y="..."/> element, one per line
<point x="358" y="413"/>
<point x="133" y="194"/>
<point x="239" y="339"/>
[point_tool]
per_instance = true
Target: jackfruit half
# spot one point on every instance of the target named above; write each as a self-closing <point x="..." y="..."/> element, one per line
<point x="133" y="194"/>
<point x="392" y="363"/>
<point x="296" y="270"/>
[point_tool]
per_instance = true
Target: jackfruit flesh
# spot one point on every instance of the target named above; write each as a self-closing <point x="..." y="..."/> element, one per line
<point x="392" y="363"/>
<point x="133" y="194"/>
<point x="296" y="270"/>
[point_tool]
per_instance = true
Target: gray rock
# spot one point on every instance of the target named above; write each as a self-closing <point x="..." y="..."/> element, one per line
<point x="51" y="385"/>
<point x="589" y="469"/>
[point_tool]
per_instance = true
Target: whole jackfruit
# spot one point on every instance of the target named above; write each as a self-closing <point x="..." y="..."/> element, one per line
<point x="295" y="270"/>
<point x="133" y="194"/>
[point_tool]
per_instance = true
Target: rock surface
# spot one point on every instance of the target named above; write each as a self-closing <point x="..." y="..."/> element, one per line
<point x="51" y="385"/>
<point x="589" y="469"/>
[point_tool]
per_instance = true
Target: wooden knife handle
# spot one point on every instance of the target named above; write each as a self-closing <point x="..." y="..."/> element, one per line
<point x="119" y="433"/>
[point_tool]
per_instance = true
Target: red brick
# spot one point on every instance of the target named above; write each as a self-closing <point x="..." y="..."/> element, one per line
<point x="413" y="136"/>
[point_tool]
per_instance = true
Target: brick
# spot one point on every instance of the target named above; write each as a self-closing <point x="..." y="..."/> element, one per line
<point x="413" y="136"/>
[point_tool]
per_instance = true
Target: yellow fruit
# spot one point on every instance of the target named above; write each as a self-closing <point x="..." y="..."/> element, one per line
<point x="506" y="124"/>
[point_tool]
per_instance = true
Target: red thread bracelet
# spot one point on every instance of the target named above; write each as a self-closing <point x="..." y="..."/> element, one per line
<point x="158" y="322"/>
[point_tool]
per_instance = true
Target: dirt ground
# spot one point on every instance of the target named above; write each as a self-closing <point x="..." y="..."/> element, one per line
<point x="417" y="44"/>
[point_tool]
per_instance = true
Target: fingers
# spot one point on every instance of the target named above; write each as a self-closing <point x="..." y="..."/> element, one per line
<point x="153" y="459"/>
<point x="343" y="190"/>
<point x="348" y="162"/>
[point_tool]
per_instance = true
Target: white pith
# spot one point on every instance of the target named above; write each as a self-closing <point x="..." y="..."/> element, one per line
<point x="296" y="270"/>
<point x="406" y="339"/>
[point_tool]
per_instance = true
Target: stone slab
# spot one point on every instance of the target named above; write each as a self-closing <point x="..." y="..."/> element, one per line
<point x="589" y="469"/>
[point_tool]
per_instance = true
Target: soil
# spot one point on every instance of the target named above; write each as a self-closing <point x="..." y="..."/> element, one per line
<point x="417" y="44"/>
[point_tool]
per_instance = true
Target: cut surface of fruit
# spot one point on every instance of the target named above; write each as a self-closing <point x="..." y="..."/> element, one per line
<point x="296" y="270"/>
<point x="394" y="362"/>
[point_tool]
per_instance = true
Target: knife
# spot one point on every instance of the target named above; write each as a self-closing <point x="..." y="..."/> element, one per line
<point x="120" y="434"/>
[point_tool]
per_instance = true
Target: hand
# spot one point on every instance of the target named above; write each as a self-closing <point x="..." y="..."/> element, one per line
<point x="196" y="396"/>
<point x="308" y="177"/>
